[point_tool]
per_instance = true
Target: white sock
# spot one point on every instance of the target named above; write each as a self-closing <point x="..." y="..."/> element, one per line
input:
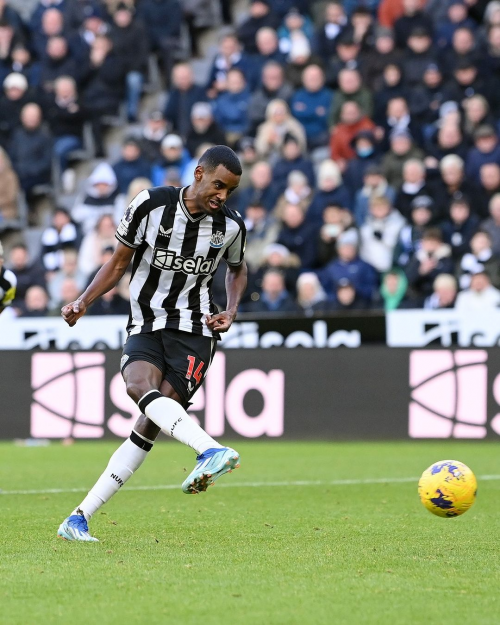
<point x="171" y="417"/>
<point x="121" y="466"/>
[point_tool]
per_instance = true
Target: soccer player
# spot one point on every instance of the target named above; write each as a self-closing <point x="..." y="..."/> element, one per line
<point x="177" y="238"/>
<point x="8" y="283"/>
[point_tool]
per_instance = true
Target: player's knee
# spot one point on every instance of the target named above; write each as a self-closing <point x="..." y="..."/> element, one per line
<point x="137" y="389"/>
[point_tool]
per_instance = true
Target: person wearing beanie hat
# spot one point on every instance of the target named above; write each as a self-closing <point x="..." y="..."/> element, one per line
<point x="8" y="283"/>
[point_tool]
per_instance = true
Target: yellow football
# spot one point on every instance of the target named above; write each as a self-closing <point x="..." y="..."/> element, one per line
<point x="447" y="488"/>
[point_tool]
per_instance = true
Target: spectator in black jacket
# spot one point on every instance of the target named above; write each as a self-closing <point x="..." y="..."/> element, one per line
<point x="292" y="159"/>
<point x="299" y="236"/>
<point x="432" y="259"/>
<point x="66" y="118"/>
<point x="22" y="62"/>
<point x="31" y="150"/>
<point x="203" y="128"/>
<point x="131" y="165"/>
<point x="325" y="39"/>
<point x="184" y="94"/>
<point x="16" y="95"/>
<point x="262" y="188"/>
<point x="418" y="56"/>
<point x="56" y="62"/>
<point x="130" y="42"/>
<point x="51" y="25"/>
<point x="413" y="17"/>
<point x="259" y="16"/>
<point x="273" y="87"/>
<point x="77" y="11"/>
<point x="103" y="87"/>
<point x="376" y="59"/>
<point x="152" y="134"/>
<point x="163" y="20"/>
<point x="27" y="272"/>
<point x="459" y="229"/>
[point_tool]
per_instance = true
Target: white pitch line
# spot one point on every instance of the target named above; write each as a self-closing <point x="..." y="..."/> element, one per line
<point x="380" y="480"/>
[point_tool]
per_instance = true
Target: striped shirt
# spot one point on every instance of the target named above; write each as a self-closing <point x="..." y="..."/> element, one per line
<point x="176" y="257"/>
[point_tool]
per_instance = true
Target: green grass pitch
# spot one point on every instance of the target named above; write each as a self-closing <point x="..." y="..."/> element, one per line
<point x="244" y="553"/>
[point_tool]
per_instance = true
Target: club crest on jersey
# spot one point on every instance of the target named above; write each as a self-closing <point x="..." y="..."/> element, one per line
<point x="217" y="239"/>
<point x="168" y="260"/>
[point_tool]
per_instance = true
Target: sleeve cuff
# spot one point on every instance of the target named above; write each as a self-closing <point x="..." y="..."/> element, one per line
<point x="122" y="240"/>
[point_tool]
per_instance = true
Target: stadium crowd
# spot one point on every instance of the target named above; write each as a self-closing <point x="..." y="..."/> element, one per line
<point x="368" y="132"/>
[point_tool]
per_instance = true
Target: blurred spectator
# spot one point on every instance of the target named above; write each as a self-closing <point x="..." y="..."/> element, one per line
<point x="9" y="189"/>
<point x="432" y="258"/>
<point x="111" y="303"/>
<point x="31" y="150"/>
<point x="463" y="46"/>
<point x="299" y="236"/>
<point x="62" y="234"/>
<point x="376" y="59"/>
<point x="397" y="119"/>
<point x="135" y="187"/>
<point x="262" y="230"/>
<point x="66" y="118"/>
<point x="273" y="87"/>
<point x="130" y="42"/>
<point x="152" y="134"/>
<point x="248" y="157"/>
<point x="77" y="12"/>
<point x="188" y="171"/>
<point x="260" y="16"/>
<point x="459" y="229"/>
<point x="163" y="21"/>
<point x="8" y="40"/>
<point x="492" y="224"/>
<point x="21" y="61"/>
<point x="402" y="149"/>
<point x="412" y="17"/>
<point x="347" y="297"/>
<point x="480" y="297"/>
<point x="347" y="56"/>
<point x="68" y="291"/>
<point x="392" y="86"/>
<point x="489" y="175"/>
<point x="352" y="121"/>
<point x="330" y="190"/>
<point x="35" y="303"/>
<point x="203" y="129"/>
<point x="480" y="258"/>
<point x="350" y="89"/>
<point x="267" y="51"/>
<point x="454" y="183"/>
<point x="311" y="105"/>
<point x="104" y="86"/>
<point x="229" y="56"/>
<point x="278" y="125"/>
<point x="426" y="98"/>
<point x="100" y="197"/>
<point x="418" y="55"/>
<point x="349" y="266"/>
<point x="365" y="156"/>
<point x="274" y="297"/>
<point x="410" y="237"/>
<point x="27" y="273"/>
<point x="299" y="57"/>
<point x="456" y="17"/>
<point x="183" y="96"/>
<point x="279" y="258"/>
<point x="261" y="189"/>
<point x="131" y="165"/>
<point x="297" y="192"/>
<point x="467" y="82"/>
<point x="56" y="62"/>
<point x="16" y="95"/>
<point x="393" y="289"/>
<point x="292" y="159"/>
<point x="102" y="257"/>
<point x="10" y="16"/>
<point x="173" y="156"/>
<point x="336" y="220"/>
<point x="231" y="107"/>
<point x="68" y="269"/>
<point x="444" y="293"/>
<point x="374" y="184"/>
<point x="380" y="233"/>
<point x="335" y="22"/>
<point x="294" y="23"/>
<point x="415" y="184"/>
<point x="447" y="141"/>
<point x="311" y="296"/>
<point x="486" y="150"/>
<point x="51" y="25"/>
<point x="476" y="113"/>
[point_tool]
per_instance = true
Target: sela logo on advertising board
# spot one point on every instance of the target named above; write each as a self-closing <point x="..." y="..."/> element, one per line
<point x="246" y="334"/>
<point x="449" y="394"/>
<point x="165" y="259"/>
<point x="70" y="392"/>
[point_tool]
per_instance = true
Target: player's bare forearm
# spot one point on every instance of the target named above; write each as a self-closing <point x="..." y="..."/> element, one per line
<point x="106" y="278"/>
<point x="236" y="283"/>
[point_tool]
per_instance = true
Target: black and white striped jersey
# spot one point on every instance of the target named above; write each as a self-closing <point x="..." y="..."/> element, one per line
<point x="175" y="260"/>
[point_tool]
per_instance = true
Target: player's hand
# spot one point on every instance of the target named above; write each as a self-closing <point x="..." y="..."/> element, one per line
<point x="221" y="322"/>
<point x="73" y="311"/>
